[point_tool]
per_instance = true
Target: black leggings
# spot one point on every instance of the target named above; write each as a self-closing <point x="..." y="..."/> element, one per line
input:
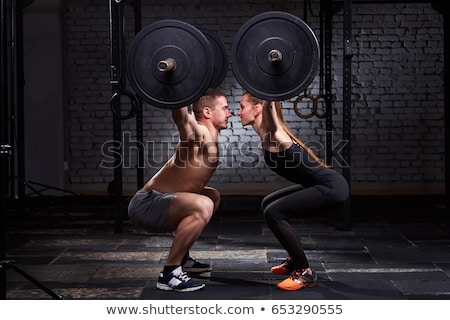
<point x="296" y="201"/>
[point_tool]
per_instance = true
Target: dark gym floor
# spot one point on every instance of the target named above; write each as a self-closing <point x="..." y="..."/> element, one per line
<point x="397" y="247"/>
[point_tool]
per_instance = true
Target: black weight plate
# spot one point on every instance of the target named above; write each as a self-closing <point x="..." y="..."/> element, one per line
<point x="220" y="57"/>
<point x="176" y="40"/>
<point x="281" y="80"/>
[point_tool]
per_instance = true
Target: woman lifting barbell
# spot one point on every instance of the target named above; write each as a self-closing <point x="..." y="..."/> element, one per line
<point x="317" y="186"/>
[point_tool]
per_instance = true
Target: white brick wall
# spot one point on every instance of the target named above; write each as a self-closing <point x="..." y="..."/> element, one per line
<point x="398" y="98"/>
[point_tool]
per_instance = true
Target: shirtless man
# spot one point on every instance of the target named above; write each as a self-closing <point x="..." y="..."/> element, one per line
<point x="176" y="199"/>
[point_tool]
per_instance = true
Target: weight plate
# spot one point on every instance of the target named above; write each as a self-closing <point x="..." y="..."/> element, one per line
<point x="289" y="42"/>
<point x="220" y="57"/>
<point x="187" y="81"/>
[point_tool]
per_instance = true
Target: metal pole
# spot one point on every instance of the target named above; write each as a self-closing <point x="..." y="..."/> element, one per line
<point x="446" y="16"/>
<point x="19" y="154"/>
<point x="327" y="15"/>
<point x="137" y="6"/>
<point x="4" y="153"/>
<point x="116" y="41"/>
<point x="4" y="172"/>
<point x="347" y="105"/>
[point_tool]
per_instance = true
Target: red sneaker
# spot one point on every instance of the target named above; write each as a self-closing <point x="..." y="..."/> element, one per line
<point x="298" y="280"/>
<point x="285" y="268"/>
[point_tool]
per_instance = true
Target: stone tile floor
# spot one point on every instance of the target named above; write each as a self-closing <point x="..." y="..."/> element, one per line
<point x="395" y="248"/>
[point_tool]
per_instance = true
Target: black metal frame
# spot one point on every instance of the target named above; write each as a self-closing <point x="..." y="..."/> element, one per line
<point x="12" y="97"/>
<point x="119" y="84"/>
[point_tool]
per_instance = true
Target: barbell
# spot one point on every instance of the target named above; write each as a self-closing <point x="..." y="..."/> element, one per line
<point x="275" y="55"/>
<point x="171" y="63"/>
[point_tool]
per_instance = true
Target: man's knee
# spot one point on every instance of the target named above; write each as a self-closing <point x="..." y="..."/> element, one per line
<point x="213" y="194"/>
<point x="205" y="208"/>
<point x="215" y="197"/>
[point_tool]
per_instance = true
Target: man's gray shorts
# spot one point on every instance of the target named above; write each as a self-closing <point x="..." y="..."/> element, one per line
<point x="149" y="210"/>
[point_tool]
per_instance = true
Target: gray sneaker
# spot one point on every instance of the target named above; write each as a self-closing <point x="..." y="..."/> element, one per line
<point x="177" y="280"/>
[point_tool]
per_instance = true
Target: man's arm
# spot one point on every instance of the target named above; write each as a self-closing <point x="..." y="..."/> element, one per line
<point x="185" y="122"/>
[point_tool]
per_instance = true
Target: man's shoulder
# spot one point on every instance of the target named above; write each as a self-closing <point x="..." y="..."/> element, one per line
<point x="204" y="133"/>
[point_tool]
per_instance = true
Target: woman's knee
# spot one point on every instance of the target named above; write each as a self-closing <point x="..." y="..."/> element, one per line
<point x="341" y="190"/>
<point x="264" y="203"/>
<point x="270" y="213"/>
<point x="338" y="195"/>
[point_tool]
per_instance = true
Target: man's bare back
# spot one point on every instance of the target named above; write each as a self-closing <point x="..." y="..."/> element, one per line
<point x="190" y="168"/>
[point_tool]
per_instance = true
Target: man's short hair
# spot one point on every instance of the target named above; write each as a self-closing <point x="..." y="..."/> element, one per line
<point x="208" y="99"/>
